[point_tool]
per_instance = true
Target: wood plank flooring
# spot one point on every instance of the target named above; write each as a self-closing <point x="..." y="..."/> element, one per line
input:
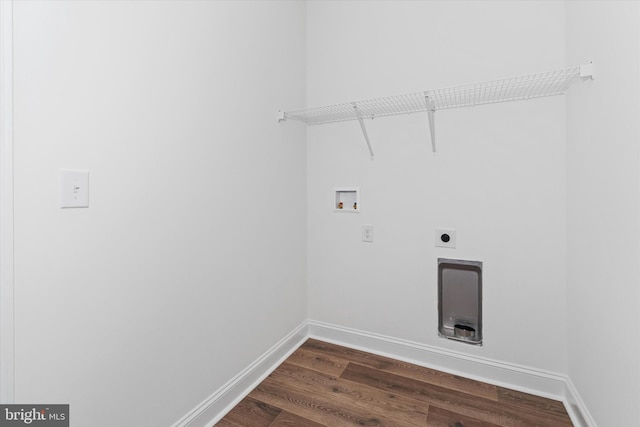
<point x="323" y="384"/>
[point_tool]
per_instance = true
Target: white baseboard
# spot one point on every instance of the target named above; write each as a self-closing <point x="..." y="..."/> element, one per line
<point x="212" y="409"/>
<point x="578" y="411"/>
<point x="528" y="380"/>
<point x="516" y="377"/>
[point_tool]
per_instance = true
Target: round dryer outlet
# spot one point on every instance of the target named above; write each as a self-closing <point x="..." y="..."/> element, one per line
<point x="445" y="238"/>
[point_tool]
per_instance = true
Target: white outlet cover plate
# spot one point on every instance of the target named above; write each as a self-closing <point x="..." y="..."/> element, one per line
<point x="367" y="233"/>
<point x="74" y="188"/>
<point x="451" y="232"/>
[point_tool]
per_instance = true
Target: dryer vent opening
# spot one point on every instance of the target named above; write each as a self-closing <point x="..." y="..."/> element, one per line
<point x="460" y="300"/>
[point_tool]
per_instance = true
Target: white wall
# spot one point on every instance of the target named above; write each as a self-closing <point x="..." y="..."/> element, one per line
<point x="499" y="175"/>
<point x="604" y="210"/>
<point x="190" y="262"/>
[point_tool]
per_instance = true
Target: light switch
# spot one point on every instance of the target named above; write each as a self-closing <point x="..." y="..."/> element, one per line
<point x="74" y="188"/>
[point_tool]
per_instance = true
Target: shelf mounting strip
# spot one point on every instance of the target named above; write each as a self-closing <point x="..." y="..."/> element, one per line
<point x="510" y="89"/>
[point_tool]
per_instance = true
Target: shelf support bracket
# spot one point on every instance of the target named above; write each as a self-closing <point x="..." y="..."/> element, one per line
<point x="431" y="109"/>
<point x="364" y="129"/>
<point x="587" y="71"/>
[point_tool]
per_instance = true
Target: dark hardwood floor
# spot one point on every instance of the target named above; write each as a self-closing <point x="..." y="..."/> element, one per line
<point x="323" y="384"/>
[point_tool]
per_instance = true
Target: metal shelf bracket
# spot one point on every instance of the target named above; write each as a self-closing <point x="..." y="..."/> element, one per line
<point x="431" y="109"/>
<point x="364" y="129"/>
<point x="587" y="70"/>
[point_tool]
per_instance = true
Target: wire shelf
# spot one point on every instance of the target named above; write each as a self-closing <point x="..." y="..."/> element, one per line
<point x="494" y="91"/>
<point x="511" y="89"/>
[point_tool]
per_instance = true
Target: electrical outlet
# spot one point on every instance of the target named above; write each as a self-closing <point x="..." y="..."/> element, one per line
<point x="367" y="233"/>
<point x="446" y="238"/>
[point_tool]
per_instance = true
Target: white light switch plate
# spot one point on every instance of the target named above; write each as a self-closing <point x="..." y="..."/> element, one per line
<point x="74" y="188"/>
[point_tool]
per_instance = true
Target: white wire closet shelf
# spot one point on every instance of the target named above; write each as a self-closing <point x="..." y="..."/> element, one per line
<point x="510" y="89"/>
